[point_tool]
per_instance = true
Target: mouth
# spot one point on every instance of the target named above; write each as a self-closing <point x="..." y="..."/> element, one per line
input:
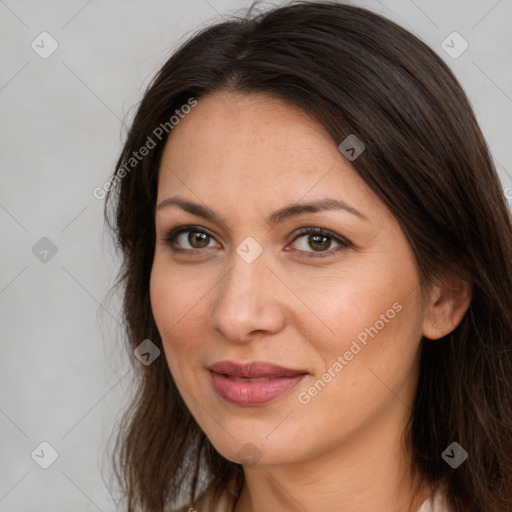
<point x="254" y="383"/>
<point x="246" y="379"/>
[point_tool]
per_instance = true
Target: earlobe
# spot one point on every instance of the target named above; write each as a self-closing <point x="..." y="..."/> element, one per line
<point x="448" y="305"/>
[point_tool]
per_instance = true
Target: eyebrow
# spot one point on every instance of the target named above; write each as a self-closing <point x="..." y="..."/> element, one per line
<point x="274" y="218"/>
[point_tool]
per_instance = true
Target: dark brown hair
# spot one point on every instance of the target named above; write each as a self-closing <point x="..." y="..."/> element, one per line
<point x="357" y="73"/>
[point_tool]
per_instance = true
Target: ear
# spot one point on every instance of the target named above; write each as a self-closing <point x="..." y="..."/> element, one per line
<point x="447" y="305"/>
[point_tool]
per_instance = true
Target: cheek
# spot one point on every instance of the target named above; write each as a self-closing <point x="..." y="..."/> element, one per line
<point x="368" y="314"/>
<point x="369" y="363"/>
<point x="338" y="305"/>
<point x="176" y="308"/>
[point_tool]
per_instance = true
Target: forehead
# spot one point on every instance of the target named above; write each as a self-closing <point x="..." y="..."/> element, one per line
<point x="256" y="148"/>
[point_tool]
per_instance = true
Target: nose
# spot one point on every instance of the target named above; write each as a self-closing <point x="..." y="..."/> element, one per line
<point x="247" y="302"/>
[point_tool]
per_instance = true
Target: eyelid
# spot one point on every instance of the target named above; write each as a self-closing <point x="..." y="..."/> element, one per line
<point x="342" y="242"/>
<point x="171" y="235"/>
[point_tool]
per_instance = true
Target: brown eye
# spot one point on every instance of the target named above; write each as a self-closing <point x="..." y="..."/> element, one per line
<point x="319" y="242"/>
<point x="188" y="238"/>
<point x="197" y="239"/>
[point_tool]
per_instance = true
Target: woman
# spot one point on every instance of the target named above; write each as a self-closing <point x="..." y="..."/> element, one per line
<point x="316" y="241"/>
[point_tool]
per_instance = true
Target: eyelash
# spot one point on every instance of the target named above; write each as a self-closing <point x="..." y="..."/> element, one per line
<point x="343" y="243"/>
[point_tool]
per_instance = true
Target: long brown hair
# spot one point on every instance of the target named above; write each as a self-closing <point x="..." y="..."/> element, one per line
<point x="357" y="73"/>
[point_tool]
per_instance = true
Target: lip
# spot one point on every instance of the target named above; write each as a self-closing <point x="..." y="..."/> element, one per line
<point x="231" y="381"/>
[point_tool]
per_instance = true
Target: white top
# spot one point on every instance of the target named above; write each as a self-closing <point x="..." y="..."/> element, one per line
<point x="435" y="503"/>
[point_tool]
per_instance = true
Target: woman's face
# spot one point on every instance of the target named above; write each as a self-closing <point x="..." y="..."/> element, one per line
<point x="246" y="281"/>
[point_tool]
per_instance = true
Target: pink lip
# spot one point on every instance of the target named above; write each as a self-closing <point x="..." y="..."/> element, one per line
<point x="278" y="380"/>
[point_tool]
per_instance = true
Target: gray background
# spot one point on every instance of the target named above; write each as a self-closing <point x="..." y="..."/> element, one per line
<point x="64" y="375"/>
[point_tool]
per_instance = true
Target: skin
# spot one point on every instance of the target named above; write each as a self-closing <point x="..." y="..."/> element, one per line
<point x="245" y="156"/>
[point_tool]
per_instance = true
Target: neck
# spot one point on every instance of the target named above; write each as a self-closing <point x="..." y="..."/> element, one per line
<point x="371" y="471"/>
